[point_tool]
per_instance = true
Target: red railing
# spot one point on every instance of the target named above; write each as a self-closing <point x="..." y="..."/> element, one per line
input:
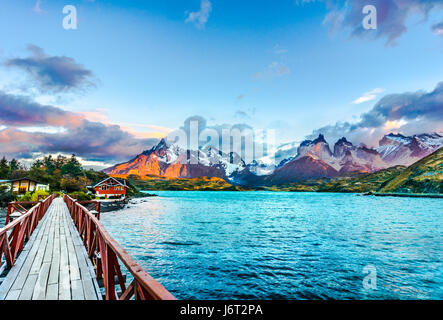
<point x="21" y="228"/>
<point x="106" y="253"/>
<point x="93" y="207"/>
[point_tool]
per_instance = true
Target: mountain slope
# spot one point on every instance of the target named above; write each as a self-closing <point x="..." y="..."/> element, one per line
<point x="397" y="149"/>
<point x="195" y="184"/>
<point x="170" y="161"/>
<point x="306" y="167"/>
<point x="313" y="159"/>
<point x="424" y="176"/>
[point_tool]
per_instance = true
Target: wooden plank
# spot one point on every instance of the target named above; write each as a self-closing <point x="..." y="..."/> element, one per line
<point x="20" y="267"/>
<point x="21" y="277"/>
<point x="77" y="290"/>
<point x="64" y="290"/>
<point x="73" y="261"/>
<point x="36" y="265"/>
<point x="52" y="292"/>
<point x="49" y="247"/>
<point x="24" y="271"/>
<point x="28" y="288"/>
<point x="13" y="295"/>
<point x="55" y="262"/>
<point x="40" y="286"/>
<point x="12" y="274"/>
<point x="88" y="281"/>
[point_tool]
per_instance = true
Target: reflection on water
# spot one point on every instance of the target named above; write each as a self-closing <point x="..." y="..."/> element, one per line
<point x="264" y="245"/>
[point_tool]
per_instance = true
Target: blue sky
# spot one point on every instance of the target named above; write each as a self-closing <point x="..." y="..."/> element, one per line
<point x="268" y="64"/>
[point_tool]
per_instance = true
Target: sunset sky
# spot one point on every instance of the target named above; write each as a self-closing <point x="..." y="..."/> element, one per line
<point x="135" y="70"/>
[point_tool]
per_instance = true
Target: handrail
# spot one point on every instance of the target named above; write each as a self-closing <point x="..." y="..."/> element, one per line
<point x="105" y="252"/>
<point x="17" y="206"/>
<point x="92" y="205"/>
<point x="21" y="230"/>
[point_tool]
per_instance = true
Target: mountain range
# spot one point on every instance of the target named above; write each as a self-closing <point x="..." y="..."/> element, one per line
<point x="311" y="159"/>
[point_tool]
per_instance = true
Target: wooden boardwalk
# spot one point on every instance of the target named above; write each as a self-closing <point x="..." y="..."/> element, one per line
<point x="53" y="264"/>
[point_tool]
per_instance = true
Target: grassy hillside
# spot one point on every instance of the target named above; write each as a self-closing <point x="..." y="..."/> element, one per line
<point x="357" y="183"/>
<point x="151" y="182"/>
<point x="424" y="176"/>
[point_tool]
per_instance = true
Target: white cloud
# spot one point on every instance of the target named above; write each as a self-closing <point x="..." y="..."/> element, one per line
<point x="199" y="18"/>
<point x="368" y="96"/>
<point x="37" y="8"/>
<point x="275" y="69"/>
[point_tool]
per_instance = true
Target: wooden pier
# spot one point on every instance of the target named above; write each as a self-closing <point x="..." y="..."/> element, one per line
<point x="57" y="262"/>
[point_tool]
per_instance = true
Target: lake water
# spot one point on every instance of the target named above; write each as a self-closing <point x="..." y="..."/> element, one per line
<point x="2" y="217"/>
<point x="278" y="245"/>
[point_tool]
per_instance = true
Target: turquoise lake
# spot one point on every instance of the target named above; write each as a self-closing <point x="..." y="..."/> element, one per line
<point x="278" y="245"/>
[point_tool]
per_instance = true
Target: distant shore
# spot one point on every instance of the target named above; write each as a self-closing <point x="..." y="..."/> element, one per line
<point x="405" y="195"/>
<point x="377" y="194"/>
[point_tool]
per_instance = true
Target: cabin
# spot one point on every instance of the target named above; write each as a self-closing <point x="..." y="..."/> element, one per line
<point x="110" y="187"/>
<point x="24" y="185"/>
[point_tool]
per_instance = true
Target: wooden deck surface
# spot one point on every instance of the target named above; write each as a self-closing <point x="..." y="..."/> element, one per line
<point x="54" y="264"/>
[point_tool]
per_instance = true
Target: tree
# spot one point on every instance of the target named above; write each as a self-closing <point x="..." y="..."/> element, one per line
<point x="4" y="169"/>
<point x="73" y="167"/>
<point x="70" y="184"/>
<point x="18" y="174"/>
<point x="49" y="164"/>
<point x="60" y="161"/>
<point x="14" y="165"/>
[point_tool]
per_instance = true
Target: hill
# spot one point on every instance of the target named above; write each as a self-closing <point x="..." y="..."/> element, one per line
<point x="153" y="182"/>
<point x="424" y="176"/>
<point x="358" y="183"/>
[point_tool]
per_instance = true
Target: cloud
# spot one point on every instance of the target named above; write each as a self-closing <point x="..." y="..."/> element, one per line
<point x="24" y="132"/>
<point x="241" y="114"/>
<point x="279" y="49"/>
<point x="368" y="96"/>
<point x="408" y="113"/>
<point x="53" y="74"/>
<point x="200" y="18"/>
<point x="98" y="141"/>
<point x="438" y="29"/>
<point x="392" y="16"/>
<point x="275" y="69"/>
<point x="37" y="8"/>
<point x="21" y="111"/>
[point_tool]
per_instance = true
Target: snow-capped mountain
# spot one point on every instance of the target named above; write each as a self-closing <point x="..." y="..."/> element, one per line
<point x="267" y="164"/>
<point x="397" y="149"/>
<point x="291" y="162"/>
<point x="169" y="160"/>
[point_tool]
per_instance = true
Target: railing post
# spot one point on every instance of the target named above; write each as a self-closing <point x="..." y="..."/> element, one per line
<point x="8" y="213"/>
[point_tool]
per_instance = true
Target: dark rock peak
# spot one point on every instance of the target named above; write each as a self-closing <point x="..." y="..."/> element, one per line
<point x="396" y="135"/>
<point x="321" y="138"/>
<point x="161" y="144"/>
<point x="343" y="141"/>
<point x="368" y="150"/>
<point x="160" y="148"/>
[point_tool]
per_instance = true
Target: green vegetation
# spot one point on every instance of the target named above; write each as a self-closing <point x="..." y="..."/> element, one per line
<point x="60" y="173"/>
<point x="424" y="176"/>
<point x="163" y="183"/>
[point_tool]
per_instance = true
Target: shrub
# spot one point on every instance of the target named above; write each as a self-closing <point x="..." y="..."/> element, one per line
<point x="43" y="195"/>
<point x="80" y="196"/>
<point x="26" y="197"/>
